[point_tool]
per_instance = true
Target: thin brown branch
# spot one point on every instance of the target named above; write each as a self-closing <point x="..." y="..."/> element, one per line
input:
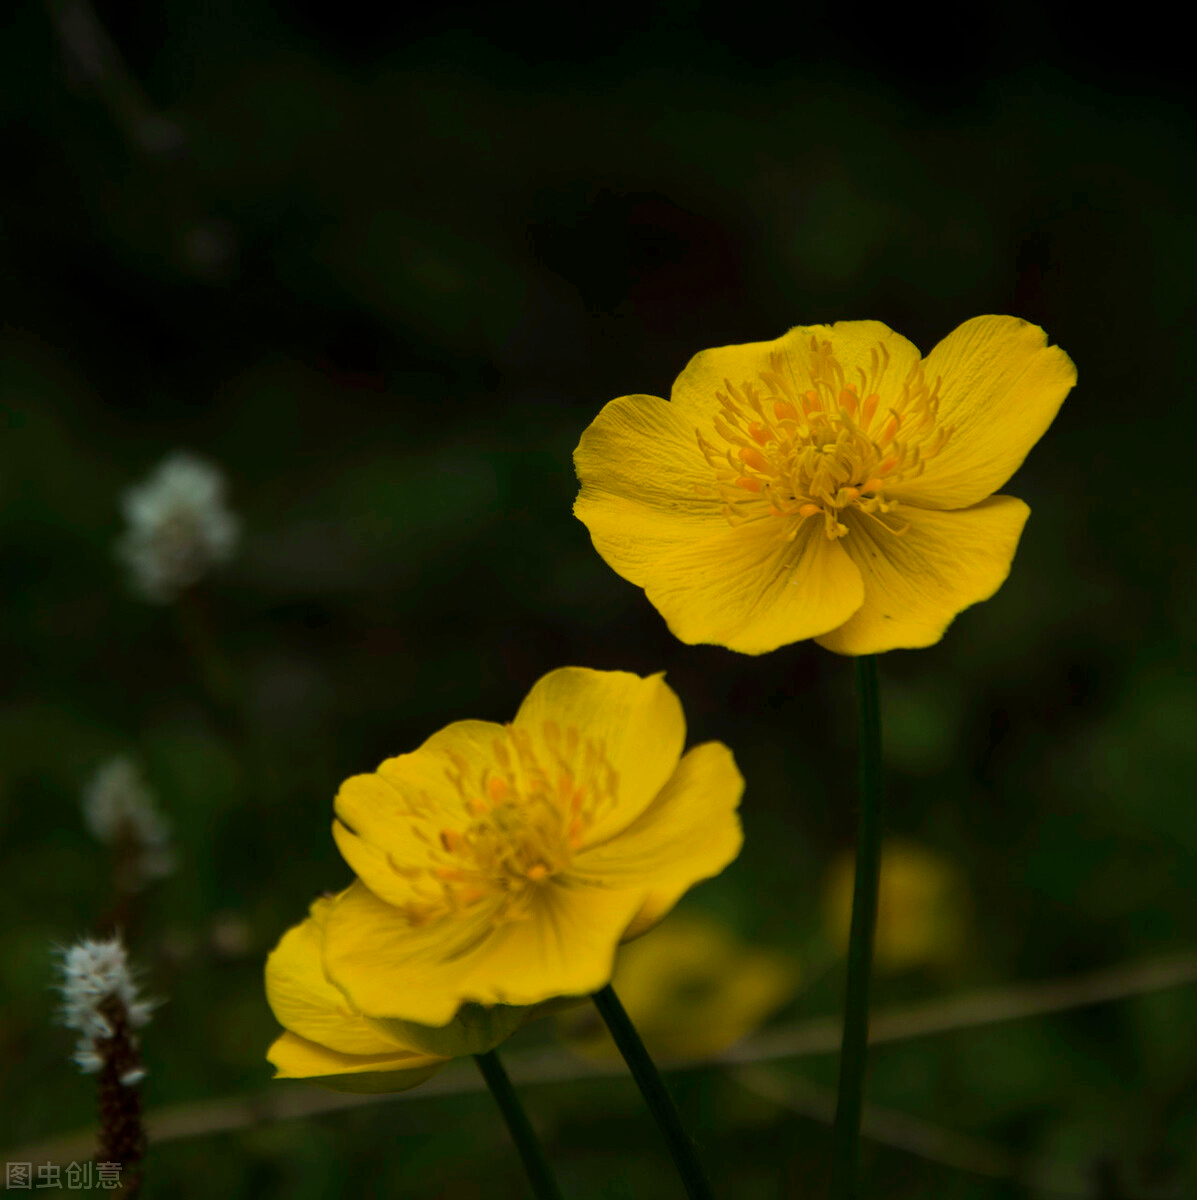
<point x="818" y="1036"/>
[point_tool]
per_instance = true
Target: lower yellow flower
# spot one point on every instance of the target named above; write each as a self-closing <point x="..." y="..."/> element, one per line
<point x="832" y="484"/>
<point x="692" y="990"/>
<point x="503" y="864"/>
<point x="922" y="907"/>
<point x="325" y="1040"/>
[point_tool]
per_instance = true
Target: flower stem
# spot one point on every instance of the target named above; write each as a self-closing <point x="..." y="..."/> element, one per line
<point x="845" y="1137"/>
<point x="122" y="1134"/>
<point x="544" y="1186"/>
<point x="652" y="1087"/>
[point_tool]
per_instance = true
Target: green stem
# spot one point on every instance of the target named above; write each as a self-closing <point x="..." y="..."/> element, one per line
<point x="652" y="1087"/>
<point x="845" y="1137"/>
<point x="544" y="1186"/>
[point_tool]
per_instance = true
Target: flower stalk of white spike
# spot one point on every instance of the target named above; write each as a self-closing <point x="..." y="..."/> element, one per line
<point x="120" y="811"/>
<point x="101" y="1003"/>
<point x="179" y="527"/>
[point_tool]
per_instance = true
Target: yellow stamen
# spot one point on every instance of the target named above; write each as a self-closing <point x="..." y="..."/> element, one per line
<point x="819" y="454"/>
<point x="525" y="817"/>
<point x="754" y="458"/>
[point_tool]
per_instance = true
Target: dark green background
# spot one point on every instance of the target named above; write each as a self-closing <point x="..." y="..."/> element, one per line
<point x="385" y="274"/>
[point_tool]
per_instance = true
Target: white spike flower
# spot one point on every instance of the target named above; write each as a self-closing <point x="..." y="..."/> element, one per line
<point x="120" y="810"/>
<point x="179" y="527"/>
<point x="97" y="988"/>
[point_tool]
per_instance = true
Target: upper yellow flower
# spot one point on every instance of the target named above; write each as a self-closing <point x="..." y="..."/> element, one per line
<point x="831" y="484"/>
<point x="503" y="864"/>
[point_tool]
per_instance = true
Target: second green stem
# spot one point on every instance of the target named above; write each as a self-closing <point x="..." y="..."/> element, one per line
<point x="845" y="1138"/>
<point x="544" y="1186"/>
<point x="652" y="1088"/>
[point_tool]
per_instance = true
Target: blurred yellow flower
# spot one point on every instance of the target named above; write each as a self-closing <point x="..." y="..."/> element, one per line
<point x="692" y="989"/>
<point x="325" y="1040"/>
<point x="831" y="484"/>
<point x="922" y="907"/>
<point x="503" y="864"/>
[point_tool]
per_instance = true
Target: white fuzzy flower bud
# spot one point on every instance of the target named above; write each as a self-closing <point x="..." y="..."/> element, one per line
<point x="179" y="527"/>
<point x="118" y="807"/>
<point x="96" y="976"/>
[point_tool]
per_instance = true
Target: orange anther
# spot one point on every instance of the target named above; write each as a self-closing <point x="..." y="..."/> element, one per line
<point x="450" y="840"/>
<point x="810" y="402"/>
<point x="869" y="407"/>
<point x="784" y="411"/>
<point x="754" y="458"/>
<point x="497" y="789"/>
<point x="774" y="511"/>
<point x="851" y="493"/>
<point x="887" y="466"/>
<point x="538" y="873"/>
<point x="873" y="485"/>
<point x="891" y="428"/>
<point x="748" y="483"/>
<point x="576" y="828"/>
<point x="848" y="401"/>
<point x="759" y="433"/>
<point x="477" y="808"/>
<point x="449" y="875"/>
<point x="809" y="510"/>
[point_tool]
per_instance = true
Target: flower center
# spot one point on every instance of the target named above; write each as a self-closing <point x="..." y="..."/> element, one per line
<point x="523" y="818"/>
<point x="790" y="454"/>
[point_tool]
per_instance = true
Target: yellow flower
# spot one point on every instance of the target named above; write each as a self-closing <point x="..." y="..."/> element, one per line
<point x="503" y="864"/>
<point x="922" y="907"/>
<point x="692" y="989"/>
<point x="829" y="484"/>
<point x="325" y="1040"/>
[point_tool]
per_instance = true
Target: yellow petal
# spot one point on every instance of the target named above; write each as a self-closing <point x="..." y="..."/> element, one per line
<point x="376" y="813"/>
<point x="750" y="590"/>
<point x="1002" y="385"/>
<point x="565" y="946"/>
<point x="641" y="471"/>
<point x="295" y="1057"/>
<point x="304" y="1002"/>
<point x="916" y="583"/>
<point x="638" y="722"/>
<point x="690" y="832"/>
<point x="852" y="342"/>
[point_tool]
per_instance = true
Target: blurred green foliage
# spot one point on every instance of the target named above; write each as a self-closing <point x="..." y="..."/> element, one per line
<point x="385" y="274"/>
